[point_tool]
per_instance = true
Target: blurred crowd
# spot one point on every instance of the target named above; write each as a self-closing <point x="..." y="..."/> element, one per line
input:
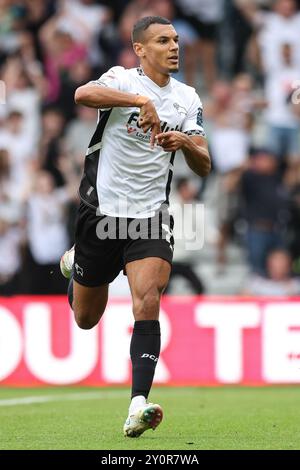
<point x="243" y="58"/>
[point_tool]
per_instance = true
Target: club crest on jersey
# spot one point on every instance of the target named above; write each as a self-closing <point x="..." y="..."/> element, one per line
<point x="180" y="109"/>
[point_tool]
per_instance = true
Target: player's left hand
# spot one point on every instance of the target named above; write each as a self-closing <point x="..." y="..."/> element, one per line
<point x="171" y="141"/>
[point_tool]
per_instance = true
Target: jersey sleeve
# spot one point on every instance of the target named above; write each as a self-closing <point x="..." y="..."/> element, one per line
<point x="193" y="123"/>
<point x="113" y="78"/>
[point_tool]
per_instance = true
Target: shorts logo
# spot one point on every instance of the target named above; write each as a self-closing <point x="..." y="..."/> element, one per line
<point x="79" y="270"/>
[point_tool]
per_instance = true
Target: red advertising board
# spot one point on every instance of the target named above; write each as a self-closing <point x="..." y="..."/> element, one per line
<point x="204" y="341"/>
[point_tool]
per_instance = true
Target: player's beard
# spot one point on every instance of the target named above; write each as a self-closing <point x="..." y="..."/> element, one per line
<point x="174" y="70"/>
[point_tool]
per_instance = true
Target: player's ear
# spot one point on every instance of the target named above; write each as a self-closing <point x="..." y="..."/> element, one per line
<point x="139" y="49"/>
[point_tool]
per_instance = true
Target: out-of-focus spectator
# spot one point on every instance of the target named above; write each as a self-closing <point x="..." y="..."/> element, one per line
<point x="86" y="18"/>
<point x="46" y="233"/>
<point x="274" y="28"/>
<point x="78" y="132"/>
<point x="78" y="75"/>
<point x="182" y="208"/>
<point x="283" y="123"/>
<point x="229" y="118"/>
<point x="21" y="148"/>
<point x="11" y="193"/>
<point x="230" y="112"/>
<point x="265" y="207"/>
<point x="278" y="280"/>
<point x="293" y="235"/>
<point x="10" y="255"/>
<point x="12" y="17"/>
<point x="37" y="13"/>
<point x="134" y="10"/>
<point x="204" y="16"/>
<point x="117" y="7"/>
<point x="25" y="90"/>
<point x="241" y="31"/>
<point x="53" y="123"/>
<point x="62" y="51"/>
<point x="4" y="175"/>
<point x="127" y="58"/>
<point x="11" y="236"/>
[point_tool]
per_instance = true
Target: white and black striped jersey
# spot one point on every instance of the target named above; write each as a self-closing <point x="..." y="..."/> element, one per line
<point x="123" y="175"/>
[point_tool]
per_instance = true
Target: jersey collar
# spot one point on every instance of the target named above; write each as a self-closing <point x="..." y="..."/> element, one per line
<point x="141" y="72"/>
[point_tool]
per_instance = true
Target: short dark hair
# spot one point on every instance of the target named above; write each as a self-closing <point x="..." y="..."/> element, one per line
<point x="143" y="23"/>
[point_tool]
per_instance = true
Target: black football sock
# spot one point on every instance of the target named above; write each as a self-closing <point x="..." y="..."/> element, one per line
<point x="144" y="352"/>
<point x="70" y="292"/>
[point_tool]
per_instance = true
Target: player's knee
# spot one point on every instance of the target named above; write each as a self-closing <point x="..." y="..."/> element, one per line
<point x="85" y="323"/>
<point x="85" y="320"/>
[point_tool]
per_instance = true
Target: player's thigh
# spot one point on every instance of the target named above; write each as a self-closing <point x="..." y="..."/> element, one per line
<point x="147" y="277"/>
<point x="89" y="303"/>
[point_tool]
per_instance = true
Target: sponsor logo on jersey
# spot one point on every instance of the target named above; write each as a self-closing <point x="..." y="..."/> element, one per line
<point x="133" y="126"/>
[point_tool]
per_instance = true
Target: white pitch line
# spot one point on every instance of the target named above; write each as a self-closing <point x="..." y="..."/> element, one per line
<point x="65" y="397"/>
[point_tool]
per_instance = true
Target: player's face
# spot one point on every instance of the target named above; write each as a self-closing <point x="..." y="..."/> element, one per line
<point x="161" y="50"/>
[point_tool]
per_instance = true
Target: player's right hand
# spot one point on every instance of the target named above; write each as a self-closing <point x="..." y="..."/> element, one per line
<point x="149" y="119"/>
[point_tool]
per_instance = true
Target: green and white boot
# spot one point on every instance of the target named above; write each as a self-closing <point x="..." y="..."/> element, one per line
<point x="148" y="416"/>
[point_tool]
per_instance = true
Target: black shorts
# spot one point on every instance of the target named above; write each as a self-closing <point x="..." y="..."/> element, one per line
<point x="104" y="244"/>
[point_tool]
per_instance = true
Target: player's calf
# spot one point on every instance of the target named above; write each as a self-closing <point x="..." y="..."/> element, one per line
<point x="89" y="304"/>
<point x="146" y="305"/>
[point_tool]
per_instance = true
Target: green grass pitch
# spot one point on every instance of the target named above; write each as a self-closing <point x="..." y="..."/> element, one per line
<point x="195" y="418"/>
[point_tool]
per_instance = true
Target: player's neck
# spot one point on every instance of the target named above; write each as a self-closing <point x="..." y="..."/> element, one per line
<point x="157" y="77"/>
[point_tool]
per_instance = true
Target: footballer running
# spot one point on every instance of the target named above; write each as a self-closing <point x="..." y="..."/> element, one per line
<point x="144" y="117"/>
